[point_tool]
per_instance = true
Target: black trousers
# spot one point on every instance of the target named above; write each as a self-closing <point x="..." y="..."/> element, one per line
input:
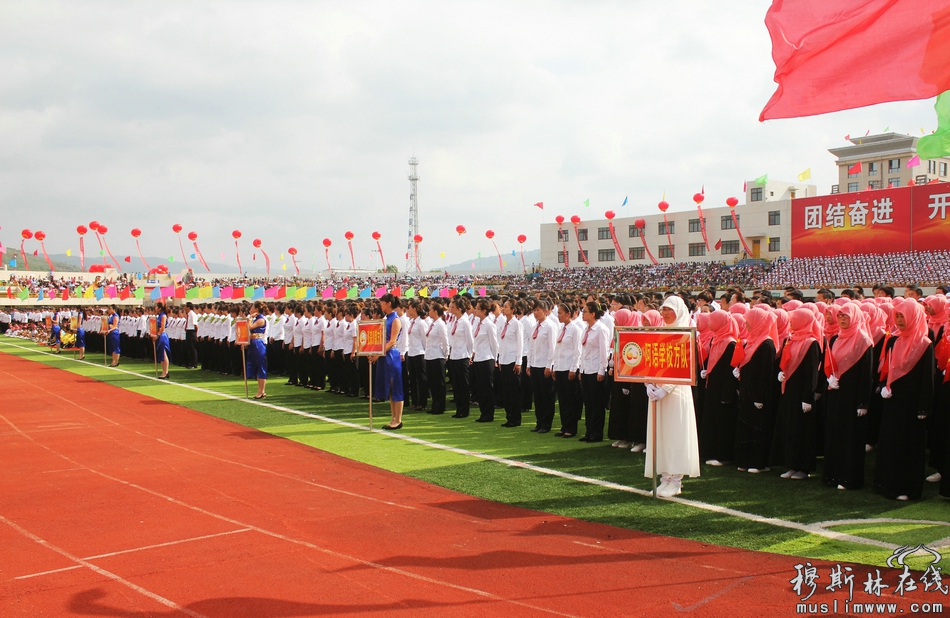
<point x="319" y="376"/>
<point x="483" y="378"/>
<point x="418" y="381"/>
<point x="527" y="390"/>
<point x="570" y="400"/>
<point x="595" y="395"/>
<point x="458" y="373"/>
<point x="435" y="373"/>
<point x="511" y="393"/>
<point x="351" y="376"/>
<point x="191" y="341"/>
<point x="543" y="390"/>
<point x="293" y="365"/>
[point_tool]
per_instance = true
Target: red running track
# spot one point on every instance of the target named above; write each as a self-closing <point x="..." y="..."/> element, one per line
<point x="116" y="504"/>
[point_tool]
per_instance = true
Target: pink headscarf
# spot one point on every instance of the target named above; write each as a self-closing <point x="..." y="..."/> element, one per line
<point x="852" y="342"/>
<point x="841" y="300"/>
<point x="781" y="325"/>
<point x="705" y="334"/>
<point x="831" y="321"/>
<point x="804" y="331"/>
<point x="938" y="303"/>
<point x="625" y="317"/>
<point x="738" y="310"/>
<point x="724" y="331"/>
<point x="653" y="318"/>
<point x="911" y="343"/>
<point x="761" y="325"/>
<point x="876" y="321"/>
<point x="792" y="305"/>
<point x="888" y="310"/>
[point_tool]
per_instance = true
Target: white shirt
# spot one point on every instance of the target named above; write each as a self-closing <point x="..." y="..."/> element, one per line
<point x="417" y="335"/>
<point x="289" y="324"/>
<point x="461" y="340"/>
<point x="595" y="343"/>
<point x="486" y="343"/>
<point x="567" y="347"/>
<point x="402" y="339"/>
<point x="307" y="340"/>
<point x="528" y="322"/>
<point x="541" y="352"/>
<point x="192" y="316"/>
<point x="437" y="340"/>
<point x="298" y="331"/>
<point x="349" y="336"/>
<point x="510" y="341"/>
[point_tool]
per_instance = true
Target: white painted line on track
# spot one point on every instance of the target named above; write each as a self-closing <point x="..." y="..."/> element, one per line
<point x="815" y="529"/>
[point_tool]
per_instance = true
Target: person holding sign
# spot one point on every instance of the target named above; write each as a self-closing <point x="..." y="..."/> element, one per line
<point x="81" y="333"/>
<point x="256" y="364"/>
<point x="677" y="441"/>
<point x="112" y="336"/>
<point x="389" y="365"/>
<point x="160" y="337"/>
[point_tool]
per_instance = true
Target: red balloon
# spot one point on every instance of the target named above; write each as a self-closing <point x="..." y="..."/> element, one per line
<point x="26" y="234"/>
<point x="732" y="202"/>
<point x="236" y="234"/>
<point x="192" y="236"/>
<point x="256" y="243"/>
<point x="610" y="214"/>
<point x="522" y="238"/>
<point x="489" y="234"/>
<point x="94" y="226"/>
<point x="559" y="219"/>
<point x="417" y="238"/>
<point x="293" y="250"/>
<point x="377" y="235"/>
<point x="698" y="198"/>
<point x="40" y="235"/>
<point x="640" y="223"/>
<point x="663" y="206"/>
<point x="81" y="230"/>
<point x="575" y="219"/>
<point x="348" y="236"/>
<point x="460" y="229"/>
<point x="326" y="243"/>
<point x="102" y="230"/>
<point x="177" y="228"/>
<point x="136" y="232"/>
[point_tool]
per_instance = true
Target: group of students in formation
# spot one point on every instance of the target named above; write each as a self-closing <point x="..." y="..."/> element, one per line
<point x="781" y="383"/>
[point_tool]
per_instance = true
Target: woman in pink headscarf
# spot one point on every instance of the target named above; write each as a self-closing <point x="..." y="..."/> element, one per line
<point x="937" y="309"/>
<point x="738" y="311"/>
<point x="877" y="326"/>
<point x="848" y="368"/>
<point x="795" y="432"/>
<point x="717" y="430"/>
<point x="627" y="422"/>
<point x="908" y="400"/>
<point x="755" y="421"/>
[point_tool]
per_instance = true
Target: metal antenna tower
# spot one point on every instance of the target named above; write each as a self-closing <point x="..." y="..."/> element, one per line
<point x="413" y="253"/>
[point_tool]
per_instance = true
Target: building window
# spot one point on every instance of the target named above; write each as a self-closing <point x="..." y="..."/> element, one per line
<point x="834" y="188"/>
<point x="730" y="247"/>
<point x="874" y="184"/>
<point x="563" y="235"/>
<point x="637" y="253"/>
<point x="603" y="233"/>
<point x="582" y="256"/>
<point x="582" y="234"/>
<point x="728" y="223"/>
<point x="775" y="217"/>
<point x="943" y="169"/>
<point x="873" y="168"/>
<point x="695" y="225"/>
<point x="894" y="182"/>
<point x="606" y="255"/>
<point x="775" y="244"/>
<point x="921" y="179"/>
<point x="666" y="228"/>
<point x="635" y="232"/>
<point x="850" y="175"/>
<point x="893" y="165"/>
<point x="931" y="167"/>
<point x="666" y="251"/>
<point x="756" y="194"/>
<point x="852" y="187"/>
<point x="560" y="257"/>
<point x="697" y="249"/>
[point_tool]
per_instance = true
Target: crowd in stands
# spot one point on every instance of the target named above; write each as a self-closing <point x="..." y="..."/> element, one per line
<point x="926" y="268"/>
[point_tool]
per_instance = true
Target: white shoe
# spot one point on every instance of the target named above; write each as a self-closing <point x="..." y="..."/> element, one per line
<point x="934" y="478"/>
<point x="616" y="444"/>
<point x="903" y="497"/>
<point x="745" y="469"/>
<point x="671" y="490"/>
<point x="841" y="487"/>
<point x="752" y="470"/>
<point x="623" y="444"/>
<point x="661" y="488"/>
<point x="787" y="475"/>
<point x="638" y="448"/>
<point x="713" y="462"/>
<point x="798" y="476"/>
<point x="868" y="448"/>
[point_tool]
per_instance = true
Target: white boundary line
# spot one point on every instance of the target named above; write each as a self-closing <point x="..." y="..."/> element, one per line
<point x="818" y="529"/>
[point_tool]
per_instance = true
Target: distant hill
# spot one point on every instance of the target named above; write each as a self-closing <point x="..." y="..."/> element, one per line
<point x="489" y="264"/>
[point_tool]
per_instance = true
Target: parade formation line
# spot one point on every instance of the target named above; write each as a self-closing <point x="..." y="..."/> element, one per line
<point x="143" y="506"/>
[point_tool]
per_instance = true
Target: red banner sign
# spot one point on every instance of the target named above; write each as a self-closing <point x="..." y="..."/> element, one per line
<point x="876" y="222"/>
<point x="242" y="332"/>
<point x="369" y="337"/>
<point x="663" y="355"/>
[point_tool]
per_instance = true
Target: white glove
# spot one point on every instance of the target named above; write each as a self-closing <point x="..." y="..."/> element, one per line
<point x="655" y="393"/>
<point x="862" y="412"/>
<point x="832" y="383"/>
<point x="625" y="391"/>
<point x="806" y="407"/>
<point x="781" y="376"/>
<point x="886" y="393"/>
<point x="736" y="373"/>
<point x="758" y="406"/>
<point x="703" y="374"/>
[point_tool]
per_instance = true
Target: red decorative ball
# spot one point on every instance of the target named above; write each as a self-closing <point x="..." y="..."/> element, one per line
<point x="293" y="250"/>
<point x="377" y="235"/>
<point x="417" y="238"/>
<point x="257" y="243"/>
<point x="610" y="215"/>
<point x="348" y="236"/>
<point x="192" y="236"/>
<point x="640" y="223"/>
<point x="460" y="229"/>
<point x="175" y="228"/>
<point x="81" y="230"/>
<point x="136" y="232"/>
<point x="559" y="219"/>
<point x="698" y="198"/>
<point x="732" y="202"/>
<point x="326" y="243"/>
<point x="94" y="226"/>
<point x="489" y="234"/>
<point x="522" y="238"/>
<point x="40" y="235"/>
<point x="663" y="206"/>
<point x="236" y="234"/>
<point x="575" y="219"/>
<point x="103" y="229"/>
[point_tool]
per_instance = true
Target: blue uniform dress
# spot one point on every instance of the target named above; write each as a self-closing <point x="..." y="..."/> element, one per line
<point x="112" y="339"/>
<point x="163" y="349"/>
<point x="389" y="369"/>
<point x="80" y="337"/>
<point x="257" y="352"/>
<point x="56" y="334"/>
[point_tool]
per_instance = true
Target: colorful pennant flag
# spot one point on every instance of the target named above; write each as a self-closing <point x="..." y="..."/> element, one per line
<point x="805" y="175"/>
<point x="624" y="201"/>
<point x="914" y="161"/>
<point x="855" y="169"/>
<point x="938" y="144"/>
<point x="761" y="180"/>
<point x="587" y="203"/>
<point x="540" y="205"/>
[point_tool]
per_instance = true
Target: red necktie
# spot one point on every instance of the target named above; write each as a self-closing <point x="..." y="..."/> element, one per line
<point x="536" y="329"/>
<point x="586" y="332"/>
<point x="479" y="327"/>
<point x="505" y="329"/>
<point x="563" y="330"/>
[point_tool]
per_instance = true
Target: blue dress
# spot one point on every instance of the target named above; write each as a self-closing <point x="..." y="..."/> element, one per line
<point x="56" y="333"/>
<point x="257" y="352"/>
<point x="80" y="337"/>
<point x="389" y="369"/>
<point x="112" y="339"/>
<point x="163" y="349"/>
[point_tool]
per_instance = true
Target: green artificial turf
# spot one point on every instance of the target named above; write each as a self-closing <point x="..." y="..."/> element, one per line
<point x="766" y="495"/>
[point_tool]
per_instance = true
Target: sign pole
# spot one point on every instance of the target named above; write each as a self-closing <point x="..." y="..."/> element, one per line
<point x="654" y="449"/>
<point x="244" y="371"/>
<point x="155" y="357"/>
<point x="369" y="391"/>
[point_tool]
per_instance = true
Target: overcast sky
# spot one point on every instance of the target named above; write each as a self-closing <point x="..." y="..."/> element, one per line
<point x="294" y="121"/>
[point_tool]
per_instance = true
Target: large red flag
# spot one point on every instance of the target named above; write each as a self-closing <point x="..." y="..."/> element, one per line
<point x="841" y="54"/>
